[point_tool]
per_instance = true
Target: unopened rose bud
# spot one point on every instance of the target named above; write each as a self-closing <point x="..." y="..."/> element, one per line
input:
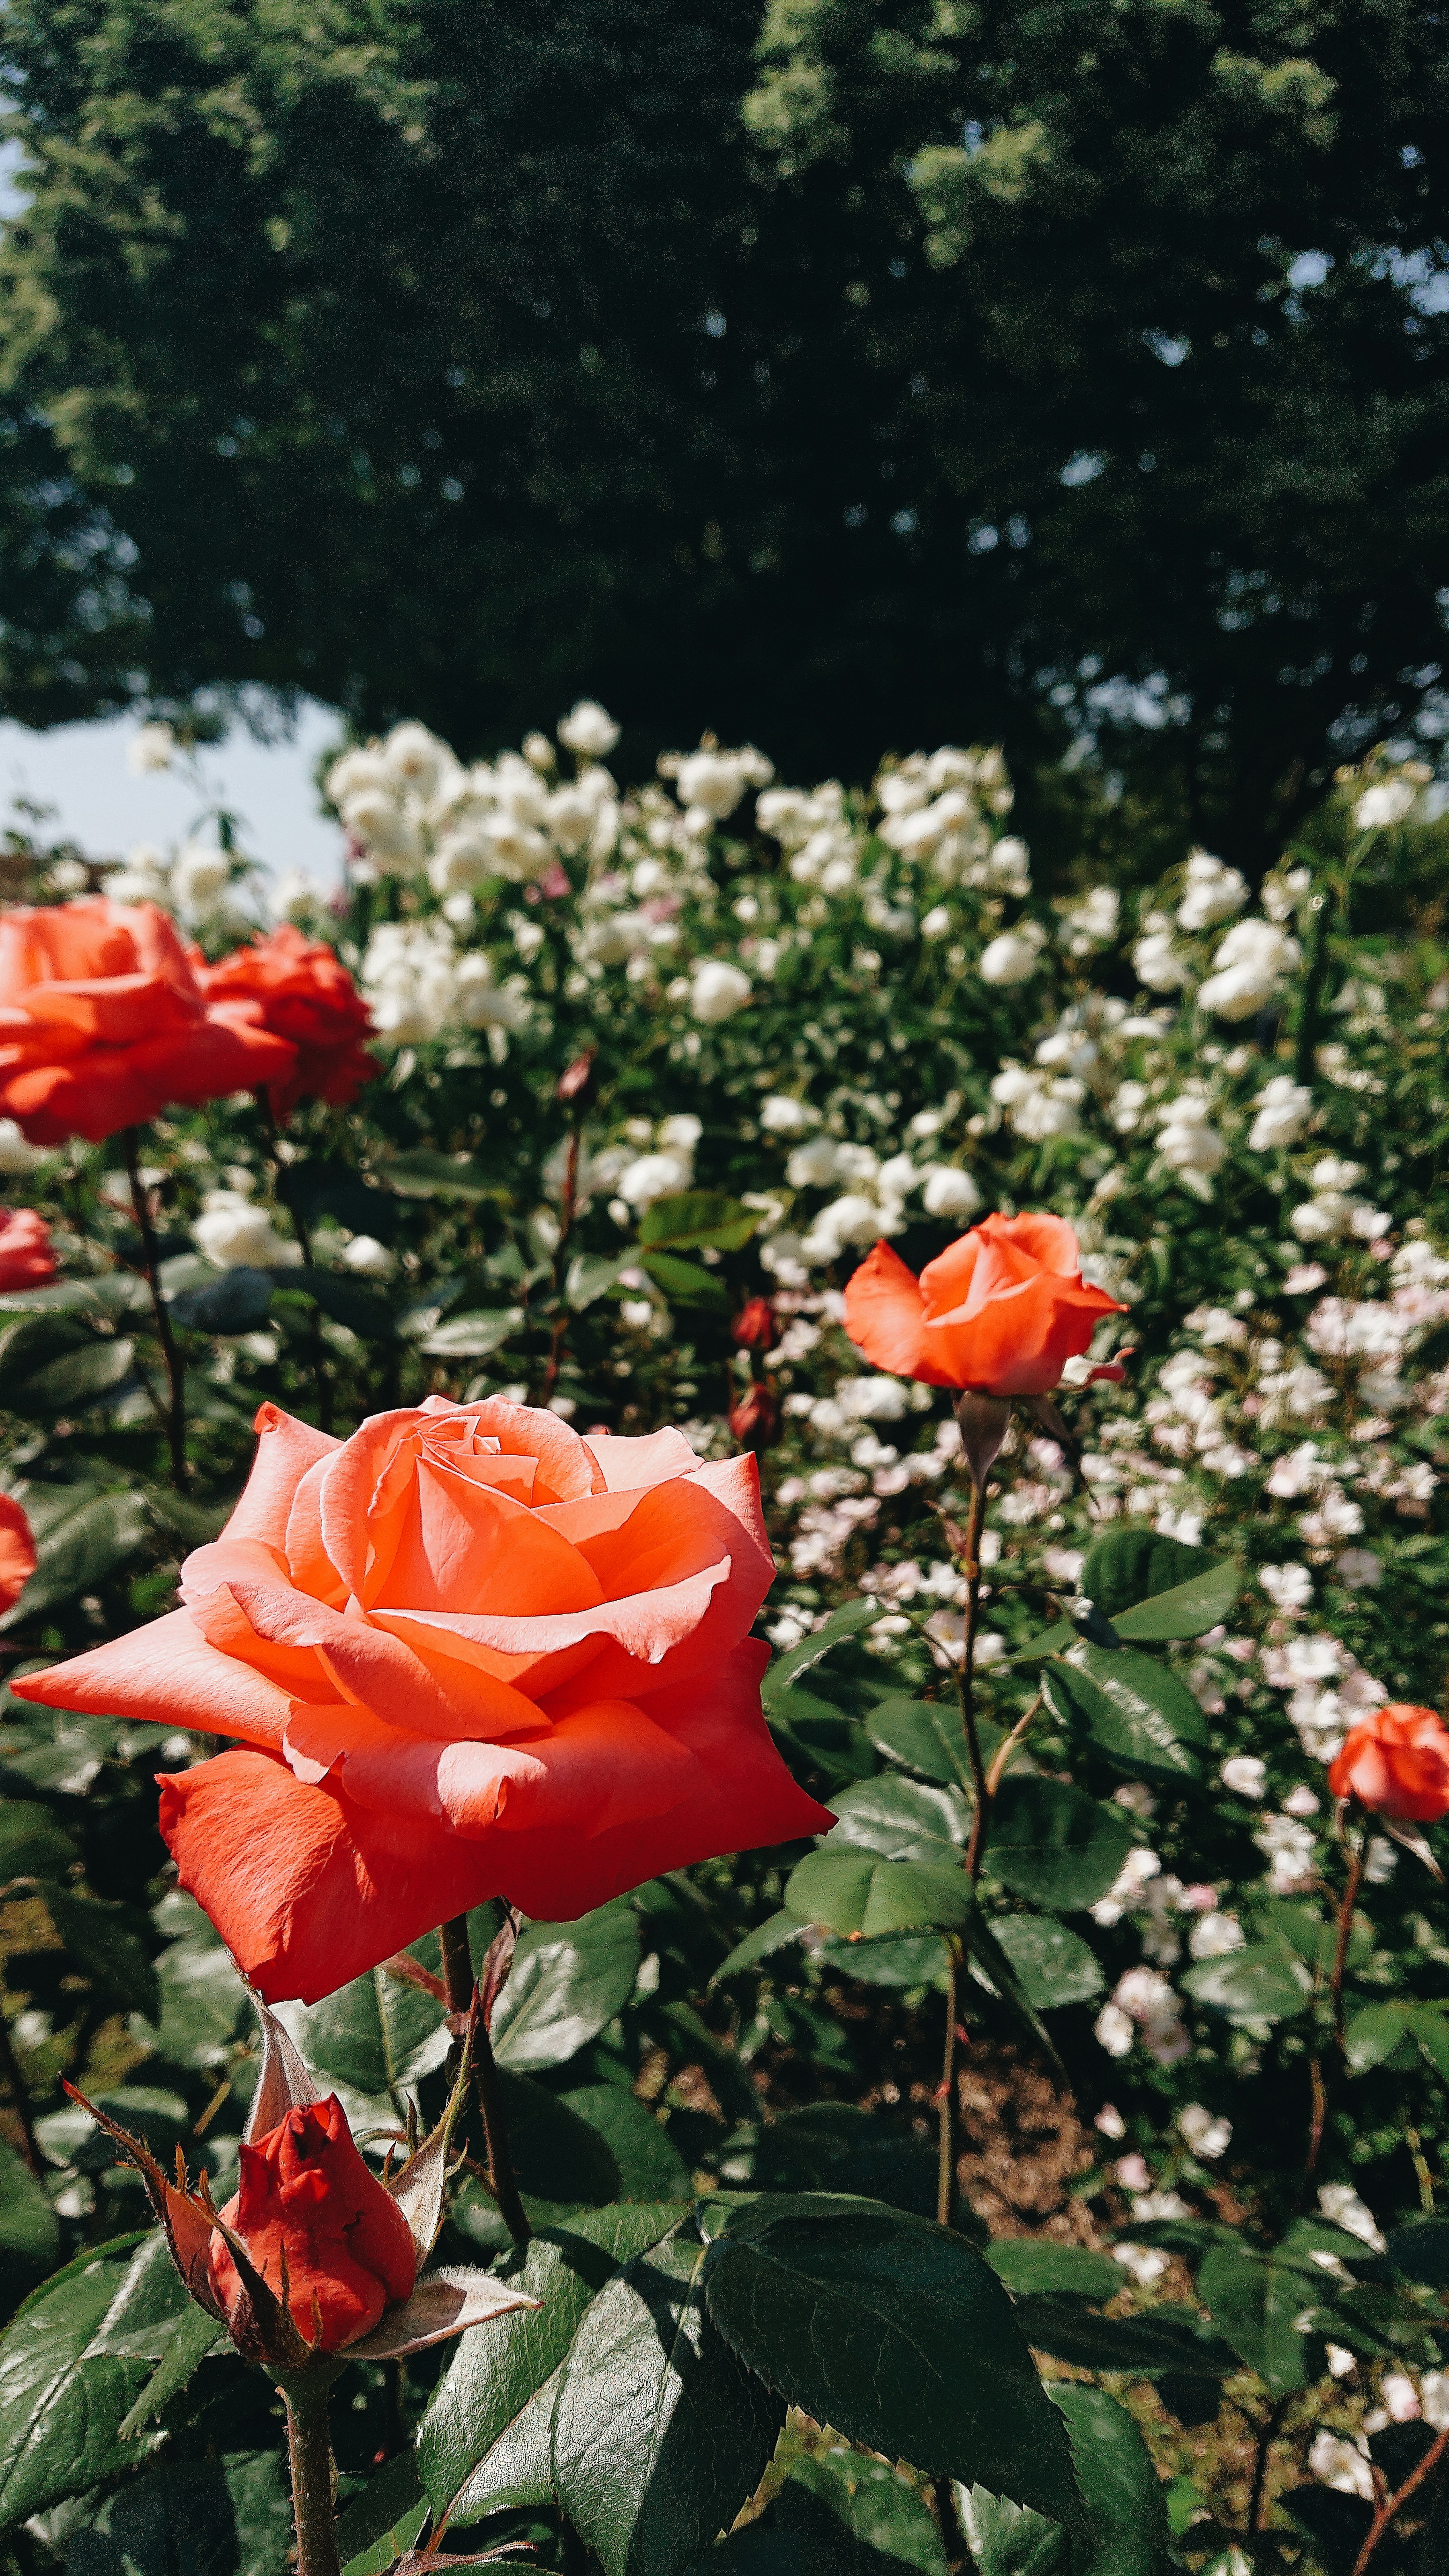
<point x="755" y="1416"/>
<point x="1395" y="1762"/>
<point x="307" y="2196"/>
<point x="756" y="1327"/>
<point x="576" y="1087"/>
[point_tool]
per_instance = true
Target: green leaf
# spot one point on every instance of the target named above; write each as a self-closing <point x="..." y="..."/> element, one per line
<point x="1161" y="2341"/>
<point x="1265" y="1981"/>
<point x="567" y="1982"/>
<point x="834" y="2146"/>
<point x="1137" y="1713"/>
<point x="925" y="1735"/>
<point x="104" y="1944"/>
<point x="1254" y="2300"/>
<point x="32" y="1844"/>
<point x="841" y="1624"/>
<point x="384" y="2520"/>
<point x="766" y="1938"/>
<point x="1430" y="2027"/>
<point x="855" y="1892"/>
<point x="82" y="1537"/>
<point x="986" y="1954"/>
<point x="1420" y="2250"/>
<point x="1373" y="2034"/>
<point x="685" y="1284"/>
<point x="838" y="2513"/>
<point x="195" y="2334"/>
<point x="898" y="2333"/>
<point x="73" y="1382"/>
<point x="29" y="2228"/>
<point x="1053" y="1966"/>
<point x="1188" y="1610"/>
<point x="590" y="1278"/>
<point x="650" y="2167"/>
<point x="891" y="1959"/>
<point x="1126" y="2509"/>
<point x="204" y="2005"/>
<point x="363" y="1310"/>
<point x="557" y="2156"/>
<point x="902" y="1819"/>
<point x="692" y="1219"/>
<point x="377" y="2034"/>
<point x="1129" y="1566"/>
<point x="237" y="1303"/>
<point x="424" y="1174"/>
<point x="660" y="2432"/>
<point x="1007" y="2540"/>
<point x="1051" y="1641"/>
<point x="472" y="1336"/>
<point x="470" y="2442"/>
<point x="226" y="2517"/>
<point x="70" y="2369"/>
<point x="1035" y="2265"/>
<point x="1052" y="1844"/>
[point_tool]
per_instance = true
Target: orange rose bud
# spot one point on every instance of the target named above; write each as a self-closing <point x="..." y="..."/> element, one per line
<point x="756" y="1327"/>
<point x="754" y="1417"/>
<point x="17" y="1551"/>
<point x="306" y="2194"/>
<point x="299" y="989"/>
<point x="1395" y="1762"/>
<point x="25" y="1254"/>
<point x="1001" y="1310"/>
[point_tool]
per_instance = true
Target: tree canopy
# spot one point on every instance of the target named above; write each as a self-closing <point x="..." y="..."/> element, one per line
<point x="910" y="368"/>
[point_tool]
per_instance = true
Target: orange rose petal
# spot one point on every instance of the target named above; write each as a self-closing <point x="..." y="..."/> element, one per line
<point x="884" y="1314"/>
<point x="623" y="1463"/>
<point x="373" y="1666"/>
<point x="17" y="1551"/>
<point x="463" y="1541"/>
<point x="286" y="1448"/>
<point x="166" y="1674"/>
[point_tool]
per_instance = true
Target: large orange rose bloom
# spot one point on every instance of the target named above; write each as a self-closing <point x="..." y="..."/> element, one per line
<point x="1396" y="1763"/>
<point x="26" y="1258"/>
<point x="301" y="991"/>
<point x="1001" y="1310"/>
<point x="103" y="1023"/>
<point x="467" y="1654"/>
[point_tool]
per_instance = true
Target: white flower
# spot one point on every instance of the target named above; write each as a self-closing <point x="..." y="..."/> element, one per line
<point x="1090" y="923"/>
<point x="233" y="1233"/>
<point x="1245" y="1775"/>
<point x="1284" y="1108"/>
<point x="937" y="922"/>
<point x="1337" y="2462"/>
<point x="1213" y="893"/>
<point x="1358" y="1568"/>
<point x="654" y="1176"/>
<point x="714" y="781"/>
<point x="1185" y="1140"/>
<point x="588" y="730"/>
<point x="413" y="757"/>
<point x="1250" y="964"/>
<point x="948" y="1191"/>
<point x="813" y="1165"/>
<point x="1012" y="955"/>
<point x="781" y="1115"/>
<point x="152" y="747"/>
<point x="718" y="990"/>
<point x="200" y="877"/>
<point x="294" y="898"/>
<point x="1381" y="806"/>
<point x="1207" y="2137"/>
<point x="1141" y="2263"/>
<point x="353" y="772"/>
<point x="369" y="1258"/>
<point x="1155" y="961"/>
<point x="1340" y="2203"/>
<point x="16" y="1155"/>
<point x="1215" y="1936"/>
<point x="1289" y="1588"/>
<point x="374" y="818"/>
<point x="873" y="1399"/>
<point x="1114" y="2030"/>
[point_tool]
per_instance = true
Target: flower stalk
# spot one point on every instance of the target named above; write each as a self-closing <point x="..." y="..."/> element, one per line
<point x="474" y="2001"/>
<point x="175" y="1367"/>
<point x="309" y="2456"/>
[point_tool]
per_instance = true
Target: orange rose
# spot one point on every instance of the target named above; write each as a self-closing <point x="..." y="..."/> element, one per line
<point x="17" y="1551"/>
<point x="1001" y="1310"/>
<point x="25" y="1254"/>
<point x="102" y="1023"/>
<point x="468" y="1654"/>
<point x="301" y="991"/>
<point x="307" y="2195"/>
<point x="1396" y="1763"/>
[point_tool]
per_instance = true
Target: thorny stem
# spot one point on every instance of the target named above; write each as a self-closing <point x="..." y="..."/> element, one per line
<point x="1340" y="1959"/>
<point x="175" y="1372"/>
<point x="309" y="2451"/>
<point x="946" y="2098"/>
<point x="1394" y="2504"/>
<point x="463" y="1997"/>
<point x="20" y="2102"/>
<point x="976" y="1849"/>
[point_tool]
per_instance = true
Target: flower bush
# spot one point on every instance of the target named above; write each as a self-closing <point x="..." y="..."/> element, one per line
<point x="601" y="1158"/>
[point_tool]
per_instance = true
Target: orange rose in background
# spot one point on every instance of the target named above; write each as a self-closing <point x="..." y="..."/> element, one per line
<point x="103" y="1023"/>
<point x="306" y="2194"/>
<point x="301" y="991"/>
<point x="17" y="1551"/>
<point x="468" y="1654"/>
<point x="26" y="1258"/>
<point x="1396" y="1763"/>
<point x="1001" y="1310"/>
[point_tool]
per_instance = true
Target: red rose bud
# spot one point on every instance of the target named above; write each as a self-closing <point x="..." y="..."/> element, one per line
<point x="756" y="1327"/>
<point x="1395" y="1762"/>
<point x="307" y="2195"/>
<point x="576" y="1086"/>
<point x="755" y="1415"/>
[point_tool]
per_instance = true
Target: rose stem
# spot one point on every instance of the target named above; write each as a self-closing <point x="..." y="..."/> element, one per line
<point x="459" y="1981"/>
<point x="946" y="2098"/>
<point x="976" y="1850"/>
<point x="1394" y="2504"/>
<point x="321" y="1377"/>
<point x="175" y="1372"/>
<point x="309" y="2450"/>
<point x="20" y="2102"/>
<point x="1340" y="1959"/>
